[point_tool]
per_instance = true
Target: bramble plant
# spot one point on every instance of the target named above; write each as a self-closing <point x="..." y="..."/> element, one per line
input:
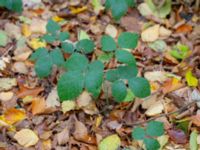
<point x="83" y="74"/>
<point x="14" y="5"/>
<point x="149" y="134"/>
<point x="119" y="7"/>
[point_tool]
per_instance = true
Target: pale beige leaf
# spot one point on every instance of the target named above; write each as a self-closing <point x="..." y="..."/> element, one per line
<point x="150" y="34"/>
<point x="155" y="109"/>
<point x="6" y="96"/>
<point x="7" y="83"/>
<point x="26" y="137"/>
<point x="68" y="106"/>
<point x="84" y="99"/>
<point x="111" y="30"/>
<point x="53" y="99"/>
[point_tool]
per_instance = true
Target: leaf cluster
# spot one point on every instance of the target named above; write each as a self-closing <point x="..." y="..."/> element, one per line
<point x="14" y="5"/>
<point x="84" y="74"/>
<point x="148" y="135"/>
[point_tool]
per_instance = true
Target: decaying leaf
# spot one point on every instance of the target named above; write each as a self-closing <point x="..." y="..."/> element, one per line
<point x="7" y="83"/>
<point x="178" y="136"/>
<point x="26" y="137"/>
<point x="53" y="99"/>
<point x="196" y="120"/>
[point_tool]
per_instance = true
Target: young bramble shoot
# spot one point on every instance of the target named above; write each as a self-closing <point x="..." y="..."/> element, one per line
<point x="83" y="74"/>
<point x="148" y="135"/>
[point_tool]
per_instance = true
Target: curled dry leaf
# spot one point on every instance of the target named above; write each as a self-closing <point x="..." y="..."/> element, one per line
<point x="26" y="137"/>
<point x="14" y="115"/>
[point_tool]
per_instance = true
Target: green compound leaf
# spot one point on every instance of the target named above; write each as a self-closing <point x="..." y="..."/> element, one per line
<point x="151" y="144"/>
<point x="76" y="62"/>
<point x="86" y="46"/>
<point x="53" y="27"/>
<point x="49" y="38"/>
<point x="112" y="75"/>
<point x="119" y="90"/>
<point x="130" y="3"/>
<point x="155" y="128"/>
<point x="140" y="87"/>
<point x="127" y="72"/>
<point x="43" y="66"/>
<point x="126" y="57"/>
<point x="63" y="36"/>
<point x="108" y="43"/>
<point x="94" y="78"/>
<point x="128" y="40"/>
<point x="70" y="85"/>
<point x="57" y="57"/>
<point x="138" y="133"/>
<point x="14" y="5"/>
<point x="68" y="47"/>
<point x="40" y="52"/>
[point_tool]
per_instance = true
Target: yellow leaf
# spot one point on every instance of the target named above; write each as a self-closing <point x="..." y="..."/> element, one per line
<point x="26" y="30"/>
<point x="68" y="105"/>
<point x="57" y="19"/>
<point x="26" y="137"/>
<point x="36" y="43"/>
<point x="6" y="123"/>
<point x="75" y="11"/>
<point x="191" y="80"/>
<point x="14" y="115"/>
<point x="111" y="142"/>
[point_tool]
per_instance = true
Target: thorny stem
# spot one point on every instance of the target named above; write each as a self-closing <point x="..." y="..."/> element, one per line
<point x="164" y="115"/>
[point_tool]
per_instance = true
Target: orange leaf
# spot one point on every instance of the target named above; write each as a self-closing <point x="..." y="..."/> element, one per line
<point x="185" y="28"/>
<point x="38" y="106"/>
<point x="171" y="85"/>
<point x="14" y="115"/>
<point x="196" y="120"/>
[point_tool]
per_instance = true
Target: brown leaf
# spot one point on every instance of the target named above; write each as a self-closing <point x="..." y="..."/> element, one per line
<point x="171" y="85"/>
<point x="38" y="106"/>
<point x="178" y="136"/>
<point x="185" y="28"/>
<point x="81" y="133"/>
<point x="196" y="120"/>
<point x="63" y="136"/>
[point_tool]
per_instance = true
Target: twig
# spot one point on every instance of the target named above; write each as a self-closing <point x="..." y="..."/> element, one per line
<point x="163" y="115"/>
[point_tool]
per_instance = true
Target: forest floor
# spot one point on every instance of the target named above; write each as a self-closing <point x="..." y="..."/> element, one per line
<point x="167" y="54"/>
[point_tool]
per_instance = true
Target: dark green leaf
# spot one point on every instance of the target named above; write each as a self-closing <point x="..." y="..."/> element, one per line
<point x="126" y="57"/>
<point x="151" y="144"/>
<point x="57" y="57"/>
<point x="76" y="62"/>
<point x="53" y="27"/>
<point x="108" y="43"/>
<point x="68" y="47"/>
<point x="130" y="3"/>
<point x="40" y="52"/>
<point x="128" y="40"/>
<point x="49" y="38"/>
<point x="86" y="46"/>
<point x="63" y="36"/>
<point x="138" y="133"/>
<point x="94" y="78"/>
<point x="155" y="128"/>
<point x="43" y="66"/>
<point x="140" y="87"/>
<point x="119" y="90"/>
<point x="14" y="5"/>
<point x="112" y="75"/>
<point x="127" y="72"/>
<point x="70" y="85"/>
<point x="118" y="9"/>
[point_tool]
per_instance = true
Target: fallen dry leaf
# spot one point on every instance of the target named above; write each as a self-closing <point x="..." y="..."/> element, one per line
<point x="7" y="83"/>
<point x="6" y="96"/>
<point x="14" y="115"/>
<point x="68" y="106"/>
<point x="112" y="141"/>
<point x="26" y="137"/>
<point x="20" y="67"/>
<point x="178" y="136"/>
<point x="63" y="136"/>
<point x="150" y="34"/>
<point x="171" y="85"/>
<point x="36" y="43"/>
<point x="160" y="76"/>
<point x="164" y="32"/>
<point x="38" y="26"/>
<point x="53" y="99"/>
<point x="38" y="106"/>
<point x="196" y="120"/>
<point x="155" y="109"/>
<point x="84" y="99"/>
<point x="185" y="28"/>
<point x="111" y="30"/>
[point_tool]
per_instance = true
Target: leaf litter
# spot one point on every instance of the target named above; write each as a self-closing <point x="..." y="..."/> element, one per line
<point x="167" y="54"/>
